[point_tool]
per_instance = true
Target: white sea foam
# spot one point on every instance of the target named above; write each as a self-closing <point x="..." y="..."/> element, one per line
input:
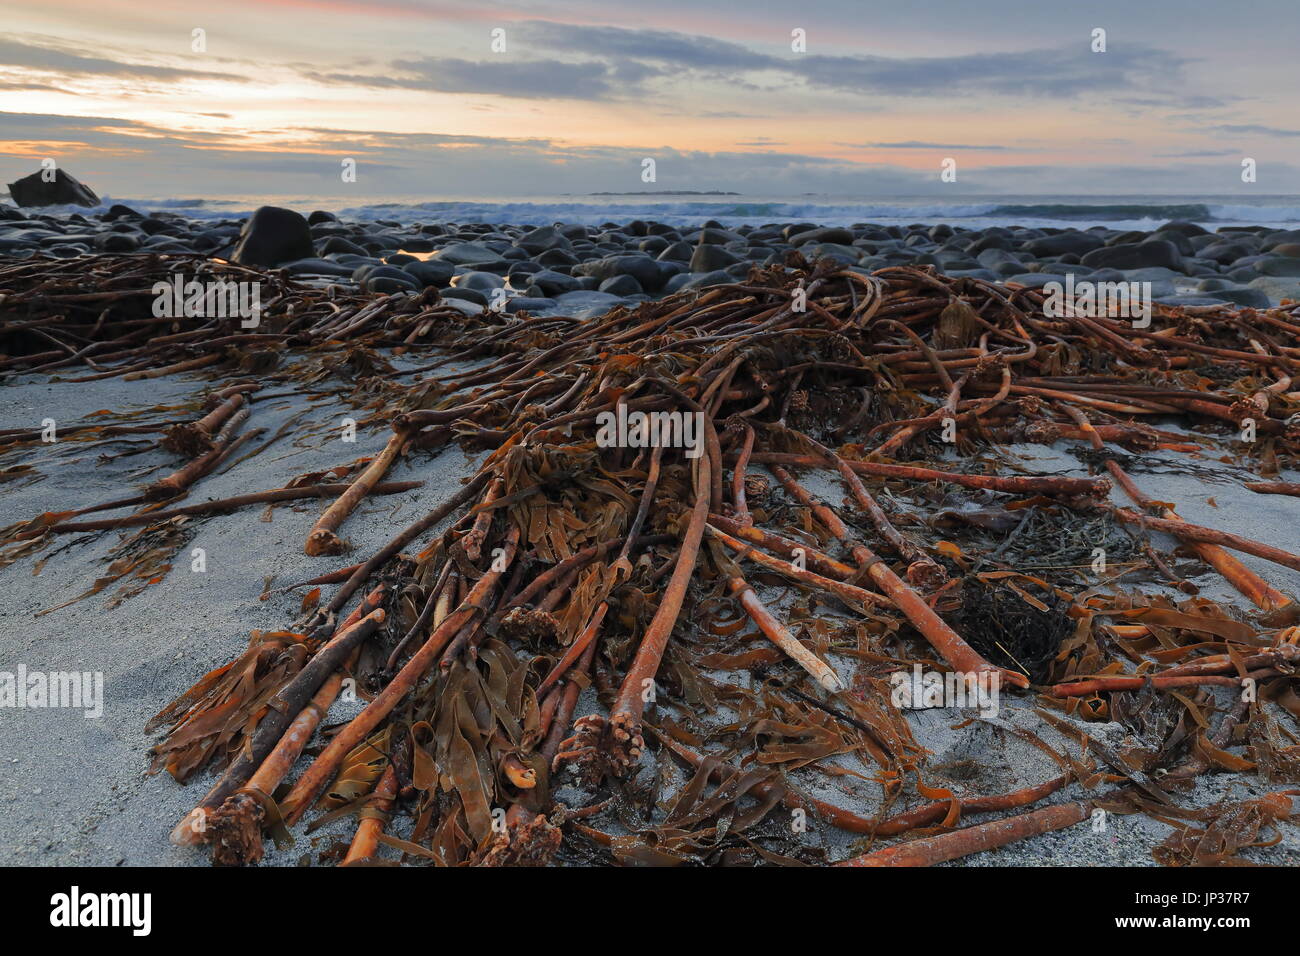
<point x="1124" y="212"/>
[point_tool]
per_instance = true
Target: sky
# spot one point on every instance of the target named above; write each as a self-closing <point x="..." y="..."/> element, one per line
<point x="553" y="97"/>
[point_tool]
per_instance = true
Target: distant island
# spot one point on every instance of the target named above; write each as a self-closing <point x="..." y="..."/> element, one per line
<point x="671" y="192"/>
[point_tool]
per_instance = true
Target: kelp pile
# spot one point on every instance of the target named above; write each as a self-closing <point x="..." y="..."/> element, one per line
<point x="698" y="595"/>
<point x="93" y="311"/>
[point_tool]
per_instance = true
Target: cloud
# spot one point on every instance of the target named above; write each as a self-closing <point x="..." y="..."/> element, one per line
<point x="606" y="62"/>
<point x="1062" y="73"/>
<point x="1172" y="99"/>
<point x="1253" y="129"/>
<point x="18" y="85"/>
<point x="915" y="144"/>
<point x="687" y="51"/>
<point x="93" y="131"/>
<point x="55" y="121"/>
<point x="48" y="58"/>
<point x="530" y="79"/>
<point x="1198" y="153"/>
<point x="1065" y="72"/>
<point x="305" y="160"/>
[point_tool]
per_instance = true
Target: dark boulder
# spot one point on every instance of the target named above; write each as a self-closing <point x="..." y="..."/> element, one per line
<point x="1181" y="242"/>
<point x="993" y="241"/>
<point x="1129" y="238"/>
<point x="530" y="304"/>
<point x="557" y="257"/>
<point x="1283" y="266"/>
<point x="484" y="282"/>
<point x="340" y="244"/>
<point x="1225" y="252"/>
<point x="273" y="235"/>
<point x="714" y="235"/>
<point x="677" y="252"/>
<point x="1136" y="255"/>
<point x="387" y="285"/>
<point x="621" y="286"/>
<point x="675" y="284"/>
<point x="431" y="272"/>
<point x="543" y="239"/>
<point x="795" y="228"/>
<point x="118" y="211"/>
<point x="705" y="280"/>
<point x="465" y="295"/>
<point x="641" y="268"/>
<point x="554" y="283"/>
<point x="317" y="267"/>
<point x="1186" y="228"/>
<point x="710" y="258"/>
<point x="62" y="189"/>
<point x="1080" y="243"/>
<point x="1247" y="298"/>
<point x="117" y="242"/>
<point x="832" y="234"/>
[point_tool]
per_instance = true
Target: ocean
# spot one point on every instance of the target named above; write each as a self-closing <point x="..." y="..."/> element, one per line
<point x="974" y="212"/>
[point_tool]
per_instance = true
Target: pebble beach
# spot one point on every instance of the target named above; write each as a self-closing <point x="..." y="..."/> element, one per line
<point x="580" y="269"/>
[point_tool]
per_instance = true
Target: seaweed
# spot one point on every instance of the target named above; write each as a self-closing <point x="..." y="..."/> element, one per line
<point x="838" y="504"/>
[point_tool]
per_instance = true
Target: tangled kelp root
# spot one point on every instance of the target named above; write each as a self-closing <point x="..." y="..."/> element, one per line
<point x="234" y="831"/>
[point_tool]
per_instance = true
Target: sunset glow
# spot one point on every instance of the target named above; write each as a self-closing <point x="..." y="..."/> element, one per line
<point x="276" y="93"/>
